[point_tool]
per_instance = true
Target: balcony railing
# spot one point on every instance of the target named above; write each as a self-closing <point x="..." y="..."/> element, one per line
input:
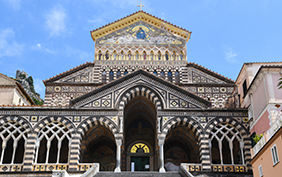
<point x="267" y="135"/>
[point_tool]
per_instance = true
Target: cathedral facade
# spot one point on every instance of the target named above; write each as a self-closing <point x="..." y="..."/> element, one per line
<point x="139" y="106"/>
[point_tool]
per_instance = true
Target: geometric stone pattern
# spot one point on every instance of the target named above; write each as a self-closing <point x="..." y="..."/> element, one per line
<point x="218" y="96"/>
<point x="122" y="92"/>
<point x="86" y="122"/>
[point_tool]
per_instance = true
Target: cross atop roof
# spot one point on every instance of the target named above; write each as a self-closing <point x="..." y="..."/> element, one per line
<point x="141" y="5"/>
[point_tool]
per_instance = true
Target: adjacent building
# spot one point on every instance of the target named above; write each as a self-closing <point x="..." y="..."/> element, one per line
<point x="12" y="93"/>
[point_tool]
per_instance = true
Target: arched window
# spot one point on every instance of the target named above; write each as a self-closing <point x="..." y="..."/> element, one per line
<point x="107" y="55"/>
<point x="136" y="56"/>
<point x="177" y="77"/>
<point x="173" y="56"/>
<point x="159" y="55"/>
<point x="100" y="55"/>
<point x="162" y="74"/>
<point x="111" y="76"/>
<point x="115" y="55"/>
<point x="144" y="55"/>
<point x="121" y="55"/>
<point x="166" y="56"/>
<point x="118" y="74"/>
<point x="12" y="143"/>
<point x="152" y="55"/>
<point x="104" y="77"/>
<point x="169" y="76"/>
<point x="155" y="72"/>
<point x="181" y="56"/>
<point x="125" y="72"/>
<point x="129" y="55"/>
<point x="226" y="145"/>
<point x="52" y="144"/>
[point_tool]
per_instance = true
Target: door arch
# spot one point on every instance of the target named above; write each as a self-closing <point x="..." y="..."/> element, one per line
<point x="141" y="153"/>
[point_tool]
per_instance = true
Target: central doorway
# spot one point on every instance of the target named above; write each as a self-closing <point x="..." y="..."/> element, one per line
<point x="140" y="163"/>
<point x="140" y="135"/>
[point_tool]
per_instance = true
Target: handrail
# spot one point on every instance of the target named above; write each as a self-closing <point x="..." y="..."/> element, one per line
<point x="184" y="171"/>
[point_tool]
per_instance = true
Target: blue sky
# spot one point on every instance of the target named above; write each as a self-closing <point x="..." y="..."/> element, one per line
<point x="45" y="38"/>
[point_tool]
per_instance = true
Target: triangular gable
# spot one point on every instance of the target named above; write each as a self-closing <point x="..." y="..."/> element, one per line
<point x="144" y="17"/>
<point x="80" y="74"/>
<point x="6" y="81"/>
<point x="141" y="33"/>
<point x="109" y="95"/>
<point x="200" y="75"/>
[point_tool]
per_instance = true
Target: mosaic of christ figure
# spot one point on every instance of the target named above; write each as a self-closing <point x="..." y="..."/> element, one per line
<point x="140" y="34"/>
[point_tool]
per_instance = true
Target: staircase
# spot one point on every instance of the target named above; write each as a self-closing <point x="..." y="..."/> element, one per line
<point x="138" y="174"/>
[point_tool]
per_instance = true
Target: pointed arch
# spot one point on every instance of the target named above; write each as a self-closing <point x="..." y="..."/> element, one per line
<point x="114" y="55"/>
<point x="189" y="122"/>
<point x="174" y="55"/>
<point x="181" y="56"/>
<point x="13" y="138"/>
<point x="100" y="55"/>
<point x="140" y="90"/>
<point x="136" y="55"/>
<point x="92" y="121"/>
<point x="159" y="55"/>
<point x="129" y="55"/>
<point x="227" y="129"/>
<point x="50" y="119"/>
<point x="122" y="57"/>
<point x="152" y="55"/>
<point x="107" y="55"/>
<point x="166" y="56"/>
<point x="144" y="55"/>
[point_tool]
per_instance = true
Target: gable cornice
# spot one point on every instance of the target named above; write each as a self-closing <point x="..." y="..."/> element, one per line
<point x="140" y="16"/>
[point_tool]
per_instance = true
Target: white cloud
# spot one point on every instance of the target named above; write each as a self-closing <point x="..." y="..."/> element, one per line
<point x="55" y="21"/>
<point x="42" y="48"/>
<point x="15" y="4"/>
<point x="9" y="47"/>
<point x="230" y="55"/>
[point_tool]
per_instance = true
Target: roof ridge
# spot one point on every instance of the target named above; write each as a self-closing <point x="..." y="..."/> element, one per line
<point x="193" y="63"/>
<point x="144" y="13"/>
<point x="57" y="75"/>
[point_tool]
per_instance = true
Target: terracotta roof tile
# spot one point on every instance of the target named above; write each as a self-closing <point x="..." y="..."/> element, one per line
<point x="68" y="71"/>
<point x="195" y="64"/>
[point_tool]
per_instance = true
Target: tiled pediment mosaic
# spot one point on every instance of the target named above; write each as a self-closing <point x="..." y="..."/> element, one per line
<point x="140" y="32"/>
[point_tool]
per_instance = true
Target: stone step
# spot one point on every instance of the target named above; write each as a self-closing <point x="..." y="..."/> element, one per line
<point x="138" y="174"/>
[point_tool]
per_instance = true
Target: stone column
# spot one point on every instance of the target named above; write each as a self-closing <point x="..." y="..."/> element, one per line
<point x="205" y="147"/>
<point x="120" y="124"/>
<point x="74" y="152"/>
<point x="118" y="155"/>
<point x="161" y="140"/>
<point x="29" y="151"/>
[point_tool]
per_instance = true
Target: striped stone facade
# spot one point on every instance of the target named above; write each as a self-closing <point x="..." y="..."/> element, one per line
<point x="137" y="91"/>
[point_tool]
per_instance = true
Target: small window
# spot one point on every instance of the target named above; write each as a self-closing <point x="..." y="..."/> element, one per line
<point x="118" y="74"/>
<point x="274" y="154"/>
<point x="260" y="171"/>
<point x="245" y="88"/>
<point x="166" y="56"/>
<point x="169" y="76"/>
<point x="177" y="77"/>
<point x="104" y="77"/>
<point x="111" y="76"/>
<point x="162" y="75"/>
